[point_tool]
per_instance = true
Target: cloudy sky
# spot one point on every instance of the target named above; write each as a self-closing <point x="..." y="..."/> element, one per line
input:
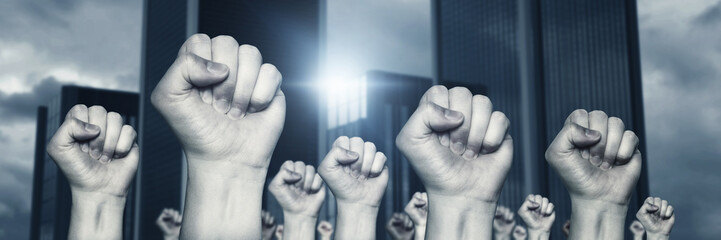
<point x="46" y="43"/>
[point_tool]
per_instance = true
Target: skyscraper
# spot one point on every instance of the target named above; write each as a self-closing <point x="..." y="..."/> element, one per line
<point x="540" y="60"/>
<point x="51" y="192"/>
<point x="375" y="107"/>
<point x="287" y="34"/>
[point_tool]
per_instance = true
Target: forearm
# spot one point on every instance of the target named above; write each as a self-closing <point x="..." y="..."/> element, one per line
<point x="420" y="233"/>
<point x="222" y="205"/>
<point x="459" y="218"/>
<point x="501" y="236"/>
<point x="356" y="221"/>
<point x="656" y="236"/>
<point x="299" y="226"/>
<point x="594" y="219"/>
<point x="96" y="216"/>
<point x="639" y="237"/>
<point x="537" y="234"/>
<point x="324" y="237"/>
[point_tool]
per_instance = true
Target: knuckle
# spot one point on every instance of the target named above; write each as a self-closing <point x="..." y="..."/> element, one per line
<point x="97" y="108"/>
<point x="598" y="113"/>
<point x="356" y="139"/>
<point x="460" y="91"/>
<point x="249" y="50"/>
<point x="115" y="116"/>
<point x="198" y="37"/>
<point x="224" y="39"/>
<point x="438" y="89"/>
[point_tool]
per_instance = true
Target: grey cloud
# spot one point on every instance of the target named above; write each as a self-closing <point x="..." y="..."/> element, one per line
<point x="710" y="16"/>
<point x="23" y="106"/>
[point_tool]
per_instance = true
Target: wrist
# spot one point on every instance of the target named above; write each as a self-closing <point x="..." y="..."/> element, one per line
<point x="96" y="215"/>
<point x="597" y="219"/>
<point x="538" y="234"/>
<point x="501" y="236"/>
<point x="459" y="217"/>
<point x="356" y="221"/>
<point x="656" y="236"/>
<point x="298" y="226"/>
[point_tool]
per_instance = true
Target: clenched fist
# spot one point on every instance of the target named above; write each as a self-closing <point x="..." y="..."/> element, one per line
<point x="400" y="227"/>
<point x="503" y="223"/>
<point x="599" y="163"/>
<point x="417" y="210"/>
<point x="300" y="192"/>
<point x="227" y="110"/>
<point x="637" y="230"/>
<point x="519" y="233"/>
<point x="461" y="150"/>
<point x="325" y="230"/>
<point x="169" y="223"/>
<point x="298" y="189"/>
<point x="356" y="174"/>
<point x="657" y="218"/>
<point x="268" y="223"/>
<point x="537" y="212"/>
<point x="99" y="157"/>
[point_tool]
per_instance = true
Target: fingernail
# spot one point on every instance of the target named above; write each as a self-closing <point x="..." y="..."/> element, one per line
<point x="104" y="159"/>
<point x="221" y="105"/>
<point x="457" y="147"/>
<point x="595" y="160"/>
<point x="92" y="127"/>
<point x="591" y="133"/>
<point x="95" y="153"/>
<point x="235" y="113"/>
<point x="445" y="139"/>
<point x="469" y="154"/>
<point x="84" y="147"/>
<point x="216" y="68"/>
<point x="452" y="115"/>
<point x="206" y="95"/>
<point x="605" y="166"/>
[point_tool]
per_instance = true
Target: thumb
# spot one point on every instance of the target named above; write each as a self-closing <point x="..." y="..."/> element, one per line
<point x="71" y="131"/>
<point x="286" y="175"/>
<point x="429" y="118"/>
<point x="574" y="136"/>
<point x="190" y="71"/>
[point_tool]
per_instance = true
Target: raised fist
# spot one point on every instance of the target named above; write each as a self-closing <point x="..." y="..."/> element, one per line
<point x="596" y="158"/>
<point x="503" y="222"/>
<point x="537" y="212"/>
<point x="224" y="105"/>
<point x="637" y="230"/>
<point x="95" y="151"/>
<point x="169" y="223"/>
<point x="519" y="233"/>
<point x="298" y="189"/>
<point x="268" y="223"/>
<point x="457" y="145"/>
<point x="355" y="172"/>
<point x="325" y="230"/>
<point x="417" y="209"/>
<point x="400" y="227"/>
<point x="657" y="217"/>
<point x="279" y="232"/>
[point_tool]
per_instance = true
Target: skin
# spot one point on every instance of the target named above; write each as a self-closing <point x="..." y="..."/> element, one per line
<point x="637" y="230"/>
<point x="461" y="151"/>
<point x="228" y="111"/>
<point x="656" y="216"/>
<point x="268" y="223"/>
<point x="417" y="210"/>
<point x="400" y="227"/>
<point x="356" y="174"/>
<point x="279" y="232"/>
<point x="300" y="192"/>
<point x="169" y="223"/>
<point x="519" y="233"/>
<point x="325" y="230"/>
<point x="537" y="212"/>
<point x="99" y="157"/>
<point x="599" y="164"/>
<point x="503" y="223"/>
<point x="566" y="228"/>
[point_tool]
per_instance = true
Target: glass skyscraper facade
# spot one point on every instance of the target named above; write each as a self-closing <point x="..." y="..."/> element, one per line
<point x="51" y="192"/>
<point x="538" y="61"/>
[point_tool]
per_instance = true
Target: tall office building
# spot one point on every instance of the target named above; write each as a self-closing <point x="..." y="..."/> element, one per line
<point x="375" y="107"/>
<point x="538" y="61"/>
<point x="287" y="34"/>
<point x="51" y="193"/>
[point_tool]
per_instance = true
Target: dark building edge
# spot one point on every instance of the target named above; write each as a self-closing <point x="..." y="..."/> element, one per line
<point x="40" y="135"/>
